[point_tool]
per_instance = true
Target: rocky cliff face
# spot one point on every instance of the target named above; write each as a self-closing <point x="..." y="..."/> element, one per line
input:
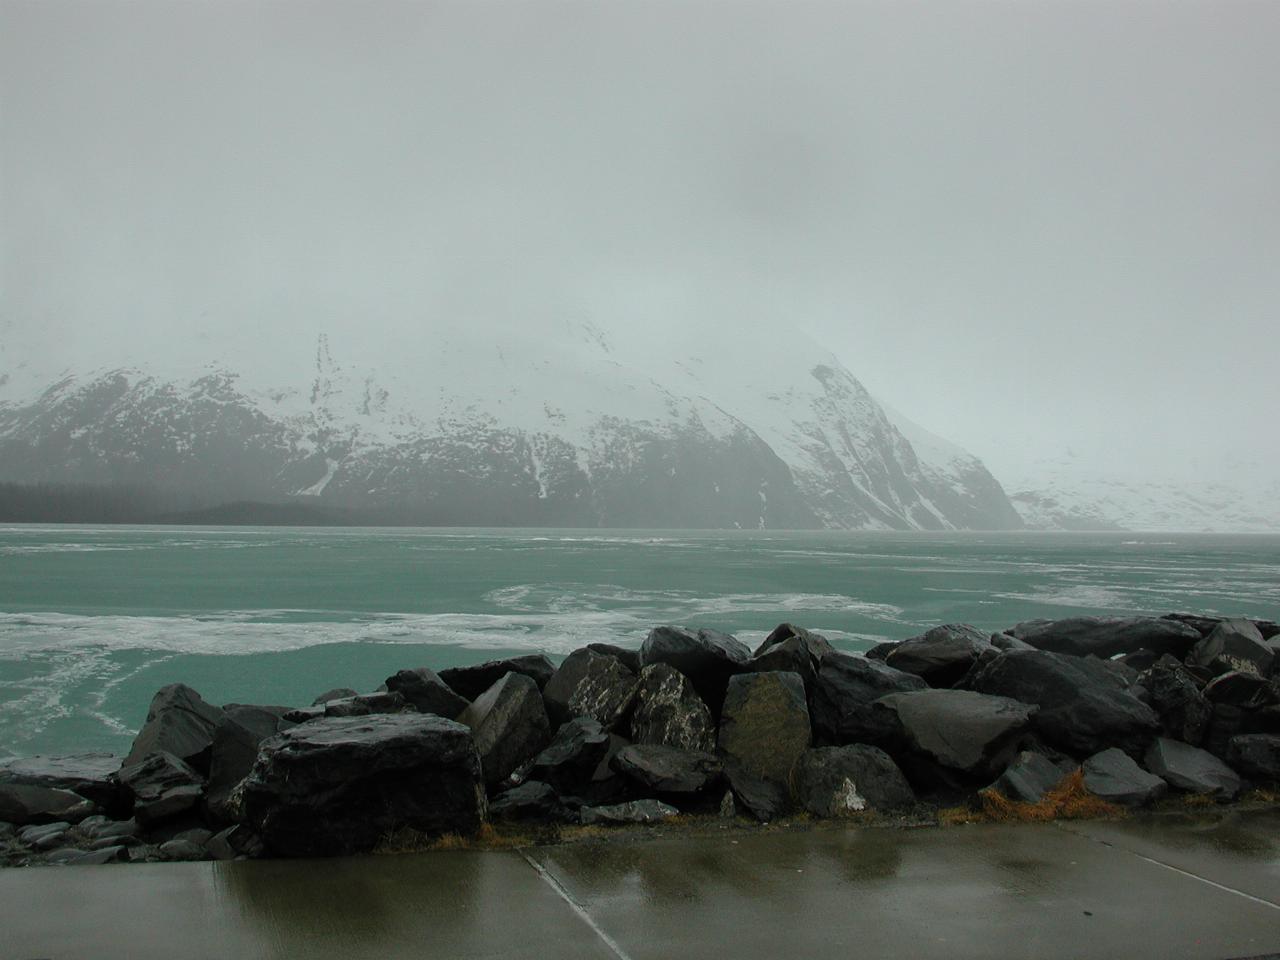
<point x="570" y="432"/>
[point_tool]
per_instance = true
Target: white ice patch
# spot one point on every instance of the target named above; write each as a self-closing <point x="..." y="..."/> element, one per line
<point x="317" y="488"/>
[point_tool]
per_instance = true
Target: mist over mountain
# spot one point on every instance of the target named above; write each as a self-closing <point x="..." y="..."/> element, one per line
<point x="569" y="426"/>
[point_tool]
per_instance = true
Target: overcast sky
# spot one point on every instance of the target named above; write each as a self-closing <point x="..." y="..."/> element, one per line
<point x="1032" y="227"/>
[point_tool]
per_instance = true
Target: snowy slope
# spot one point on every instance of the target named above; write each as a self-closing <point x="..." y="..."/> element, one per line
<point x="549" y="426"/>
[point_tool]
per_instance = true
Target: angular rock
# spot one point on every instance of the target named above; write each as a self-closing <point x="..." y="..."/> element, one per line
<point x="791" y="648"/>
<point x="509" y="724"/>
<point x="23" y="804"/>
<point x="48" y="836"/>
<point x="427" y="692"/>
<point x="591" y="684"/>
<point x="1192" y="769"/>
<point x="1256" y="755"/>
<point x="1233" y="645"/>
<point x="235" y="748"/>
<point x="116" y="831"/>
<point x="337" y="786"/>
<point x="470" y="682"/>
<point x="91" y="775"/>
<point x="1084" y="707"/>
<point x="669" y="712"/>
<point x="1174" y="695"/>
<point x="765" y="800"/>
<point x="1225" y="721"/>
<point x="969" y="733"/>
<point x="843" y="692"/>
<point x="636" y="811"/>
<point x="1141" y="660"/>
<point x="178" y="722"/>
<point x="1112" y="775"/>
<point x="1105" y="637"/>
<point x="532" y="800"/>
<point x="1240" y="689"/>
<point x="1004" y="641"/>
<point x="163" y="786"/>
<point x="764" y="728"/>
<point x="880" y="650"/>
<point x="1029" y="777"/>
<point x="629" y="658"/>
<point x="180" y="849"/>
<point x="569" y="762"/>
<point x="669" y="770"/>
<point x="110" y="854"/>
<point x="708" y="658"/>
<point x="337" y="693"/>
<point x="941" y="656"/>
<point x="839" y="781"/>
<point x="367" y="704"/>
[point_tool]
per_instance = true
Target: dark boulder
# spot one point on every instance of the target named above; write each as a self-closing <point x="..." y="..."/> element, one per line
<point x="427" y="692"/>
<point x="765" y="800"/>
<point x="1175" y="696"/>
<point x="708" y="658"/>
<point x="629" y="658"/>
<point x="569" y="762"/>
<point x="1141" y="660"/>
<point x="1107" y="636"/>
<point x="235" y="748"/>
<point x="532" y="800"/>
<point x="765" y="727"/>
<point x="667" y="770"/>
<point x="880" y="650"/>
<point x="1256" y="755"/>
<point x="635" y="811"/>
<point x="1240" y="689"/>
<point x="1112" y="775"/>
<point x="1005" y="641"/>
<point x="1192" y="769"/>
<point x="845" y="688"/>
<point x="337" y="786"/>
<point x="367" y="704"/>
<point x="163" y="786"/>
<point x="669" y="712"/>
<point x="1225" y="721"/>
<point x="1084" y="707"/>
<point x="91" y="775"/>
<point x="966" y="733"/>
<point x="337" y="693"/>
<point x="178" y="722"/>
<point x="1029" y="777"/>
<point x="591" y="684"/>
<point x="839" y="781"/>
<point x="24" y="804"/>
<point x="791" y="648"/>
<point x="470" y="682"/>
<point x="1233" y="645"/>
<point x="509" y="724"/>
<point x="940" y="656"/>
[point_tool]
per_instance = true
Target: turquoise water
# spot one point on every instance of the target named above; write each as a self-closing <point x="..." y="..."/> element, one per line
<point x="94" y="619"/>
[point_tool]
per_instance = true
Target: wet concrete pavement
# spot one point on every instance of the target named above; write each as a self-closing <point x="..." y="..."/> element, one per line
<point x="1166" y="887"/>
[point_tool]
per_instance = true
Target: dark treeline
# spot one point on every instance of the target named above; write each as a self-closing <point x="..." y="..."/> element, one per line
<point x="79" y="503"/>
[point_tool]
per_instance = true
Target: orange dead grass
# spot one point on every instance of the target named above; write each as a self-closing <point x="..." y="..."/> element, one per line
<point x="1069" y="800"/>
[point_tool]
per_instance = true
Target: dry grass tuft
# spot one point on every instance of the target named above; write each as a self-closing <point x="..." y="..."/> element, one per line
<point x="955" y="816"/>
<point x="1069" y="800"/>
<point x="1262" y="795"/>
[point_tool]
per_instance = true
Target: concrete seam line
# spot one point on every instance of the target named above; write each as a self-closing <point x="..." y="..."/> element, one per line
<point x="578" y="908"/>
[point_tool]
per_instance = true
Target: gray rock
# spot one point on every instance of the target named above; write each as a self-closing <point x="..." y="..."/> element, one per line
<point x="635" y="811"/>
<point x="1004" y="641"/>
<point x="969" y="733"/>
<point x="764" y="728"/>
<point x="1084" y="707"/>
<point x="532" y="800"/>
<point x="591" y="684"/>
<point x="1106" y="637"/>
<point x="708" y="658"/>
<point x="881" y="650"/>
<point x="368" y="704"/>
<point x="337" y="693"/>
<point x="91" y="775"/>
<point x="179" y="722"/>
<point x="1029" y="777"/>
<point x="668" y="770"/>
<point x="1192" y="769"/>
<point x="236" y="738"/>
<point x="1256" y="755"/>
<point x="108" y="854"/>
<point x="629" y="658"/>
<point x="1240" y="689"/>
<point x="470" y="682"/>
<point x="47" y="836"/>
<point x="1112" y="775"/>
<point x="163" y="786"/>
<point x="766" y="800"/>
<point x="941" y="656"/>
<point x="728" y="808"/>
<point x="1174" y="695"/>
<point x="669" y="712"/>
<point x="23" y="804"/>
<point x="791" y="649"/>
<point x="839" y="781"/>
<point x="336" y="786"/>
<point x="570" y="761"/>
<point x="116" y="831"/>
<point x="1233" y="645"/>
<point x="183" y="849"/>
<point x="842" y="695"/>
<point x="427" y="692"/>
<point x="509" y="724"/>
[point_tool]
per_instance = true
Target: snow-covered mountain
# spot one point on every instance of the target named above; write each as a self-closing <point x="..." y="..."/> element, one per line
<point x="768" y="430"/>
<point x="1063" y="494"/>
